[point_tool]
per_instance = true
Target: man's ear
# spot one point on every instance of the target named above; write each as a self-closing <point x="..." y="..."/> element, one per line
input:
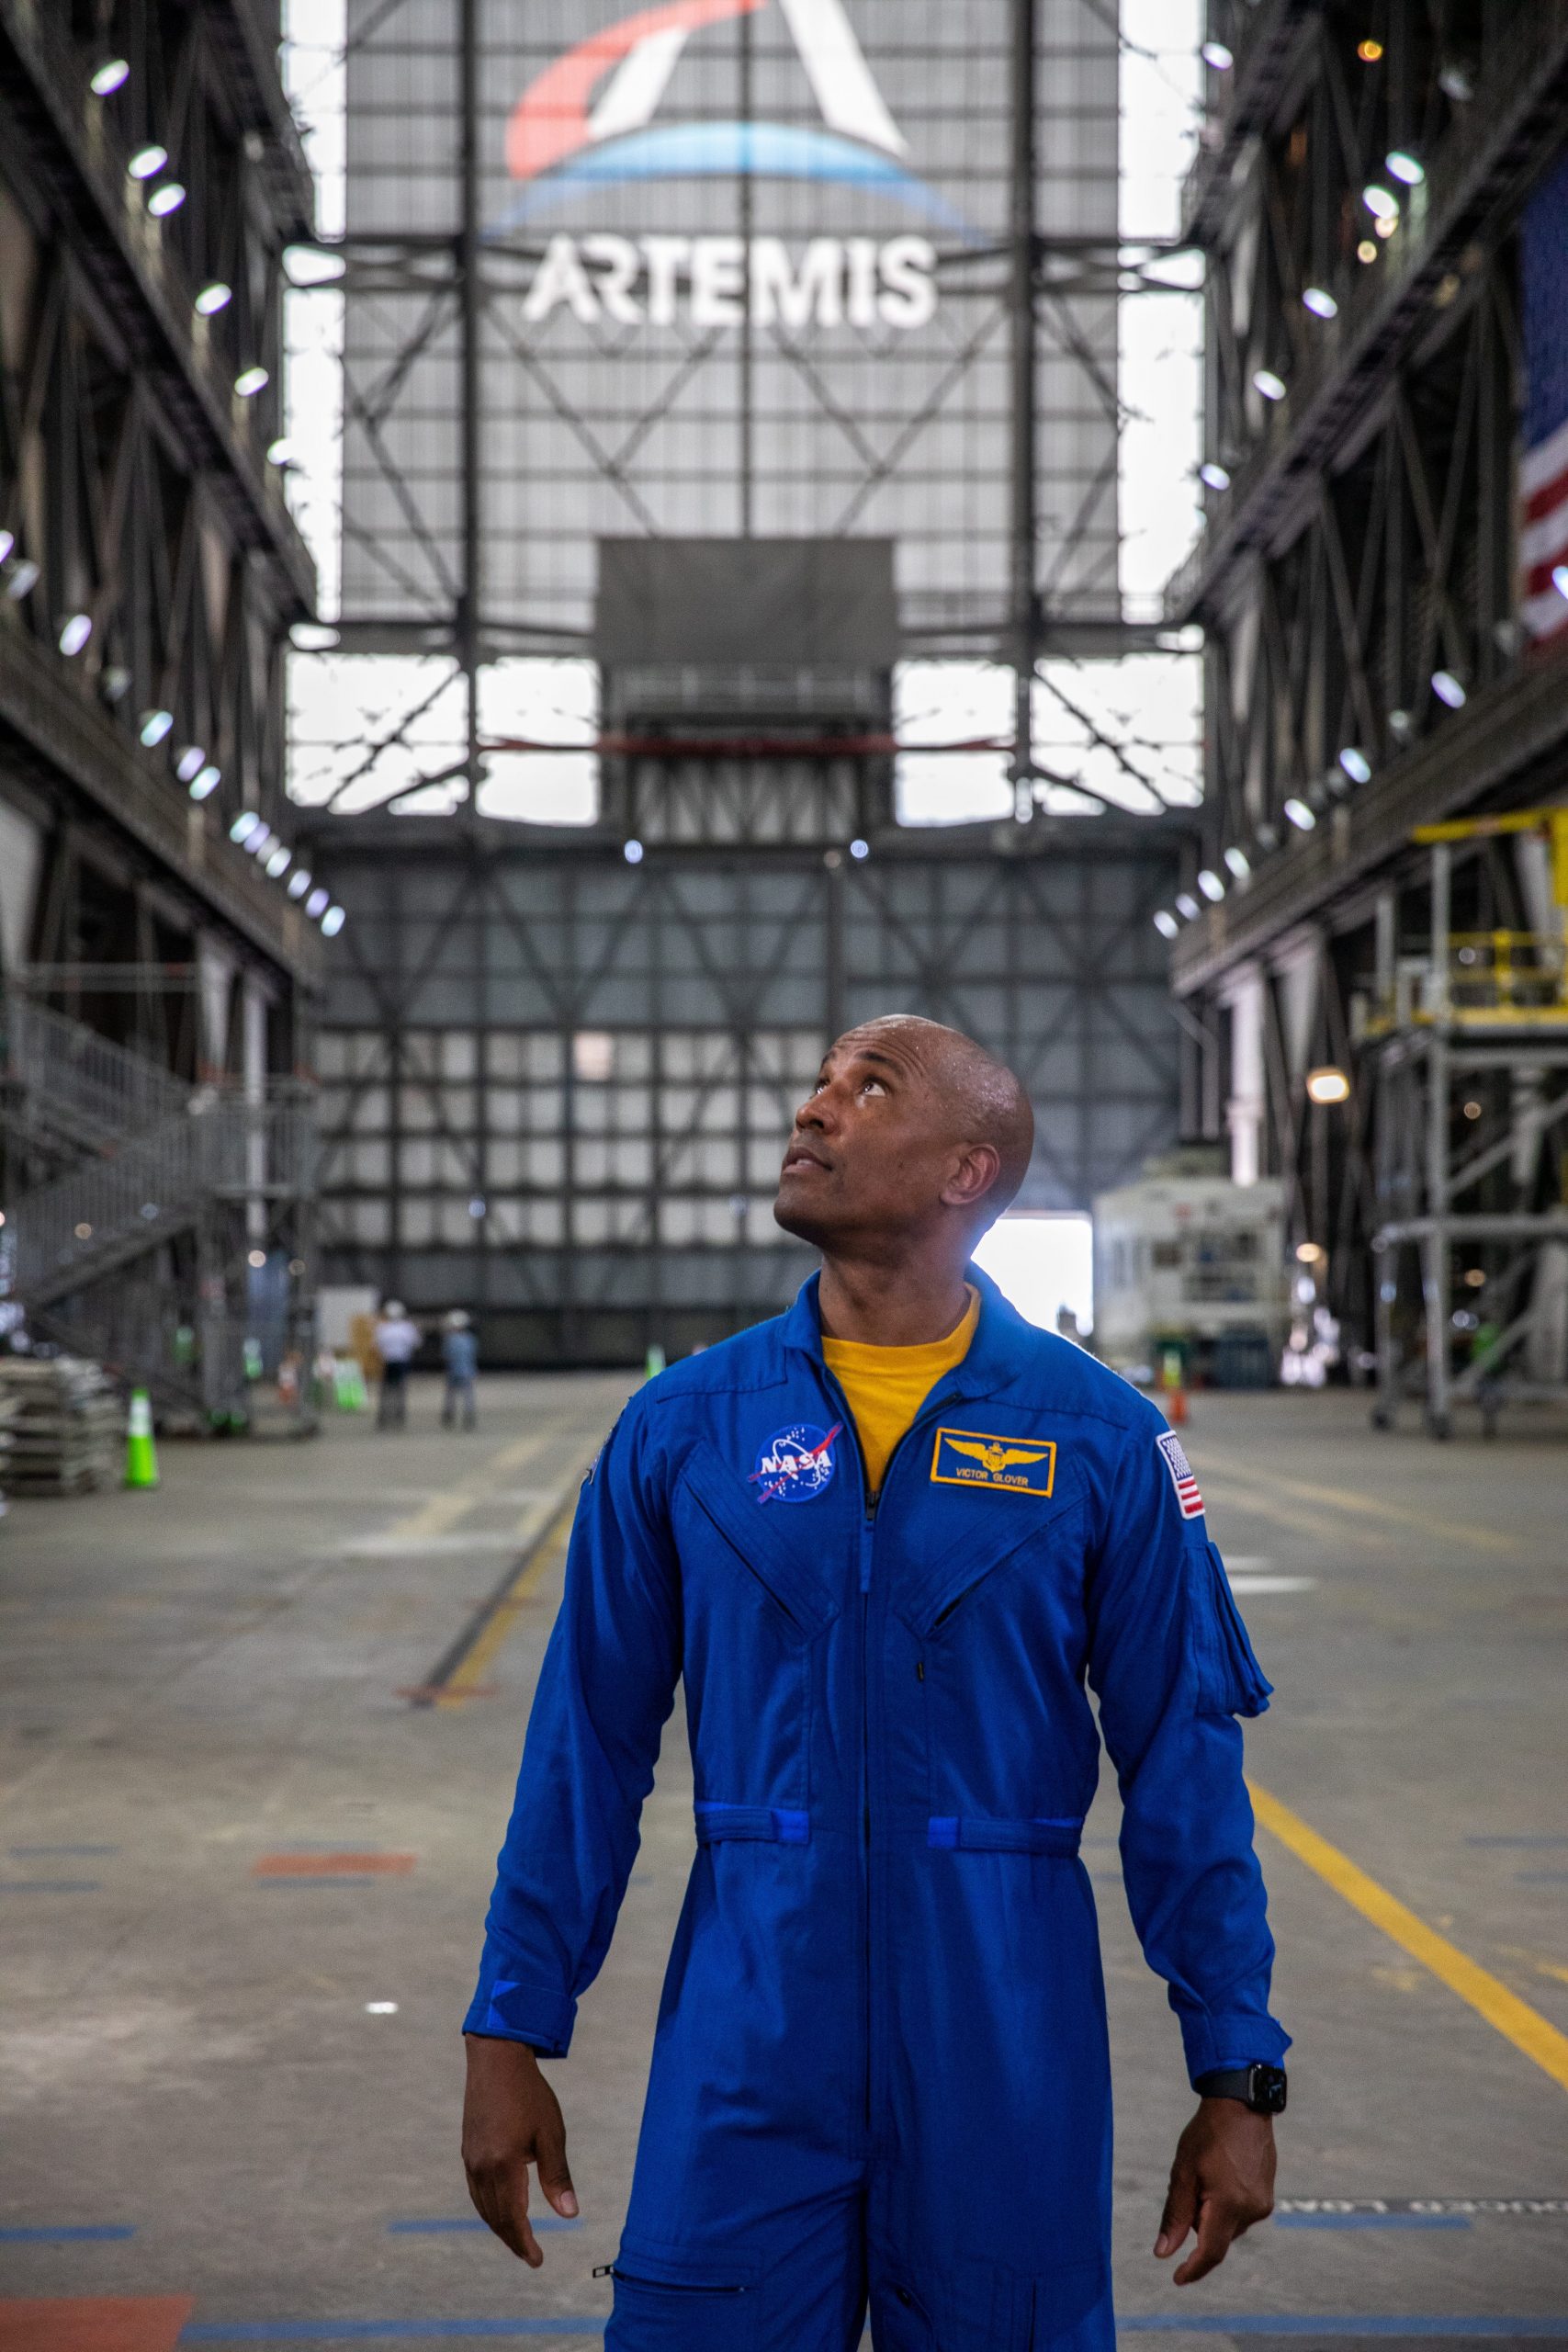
<point x="976" y="1173"/>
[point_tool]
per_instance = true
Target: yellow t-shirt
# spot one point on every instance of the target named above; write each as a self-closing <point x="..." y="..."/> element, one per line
<point x="885" y="1387"/>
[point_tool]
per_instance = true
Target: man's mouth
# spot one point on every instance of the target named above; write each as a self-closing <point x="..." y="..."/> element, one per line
<point x="799" y="1155"/>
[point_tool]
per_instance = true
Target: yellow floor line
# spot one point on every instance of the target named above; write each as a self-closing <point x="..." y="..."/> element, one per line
<point x="441" y="1513"/>
<point x="499" y="1625"/>
<point x="1486" y="1994"/>
<point x="1222" y="1486"/>
<point x="1350" y="1498"/>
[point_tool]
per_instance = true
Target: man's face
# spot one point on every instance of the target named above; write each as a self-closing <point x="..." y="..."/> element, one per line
<point x="873" y="1146"/>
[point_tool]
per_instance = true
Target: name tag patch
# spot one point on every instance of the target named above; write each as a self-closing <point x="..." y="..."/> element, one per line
<point x="1013" y="1466"/>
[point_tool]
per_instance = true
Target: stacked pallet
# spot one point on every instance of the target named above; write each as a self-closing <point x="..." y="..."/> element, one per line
<point x="65" y="1428"/>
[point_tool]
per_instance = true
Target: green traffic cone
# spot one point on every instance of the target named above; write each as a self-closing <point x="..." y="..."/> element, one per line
<point x="140" y="1454"/>
<point x="655" y="1362"/>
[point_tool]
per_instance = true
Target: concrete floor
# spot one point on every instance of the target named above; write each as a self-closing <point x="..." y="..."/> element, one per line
<point x="202" y="2086"/>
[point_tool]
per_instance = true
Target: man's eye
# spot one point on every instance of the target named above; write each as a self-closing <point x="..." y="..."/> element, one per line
<point x="873" y="1086"/>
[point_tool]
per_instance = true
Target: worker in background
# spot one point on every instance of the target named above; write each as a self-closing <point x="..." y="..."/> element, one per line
<point x="397" y="1344"/>
<point x="460" y="1353"/>
<point x="888" y="1541"/>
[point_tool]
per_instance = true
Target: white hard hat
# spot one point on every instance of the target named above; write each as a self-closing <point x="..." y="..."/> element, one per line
<point x="394" y="1310"/>
<point x="457" y="1320"/>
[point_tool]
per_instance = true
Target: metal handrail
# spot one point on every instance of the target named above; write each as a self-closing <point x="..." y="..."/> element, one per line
<point x="99" y="1091"/>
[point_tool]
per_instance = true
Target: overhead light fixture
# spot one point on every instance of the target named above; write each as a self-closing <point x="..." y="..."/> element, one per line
<point x="1272" y="386"/>
<point x="1380" y="202"/>
<point x="155" y="725"/>
<point x="111" y="75"/>
<point x="1403" y="165"/>
<point x="312" y="264"/>
<point x="332" y="924"/>
<point x="1367" y="250"/>
<point x="313" y="637"/>
<point x="23" y="581"/>
<point x="75" y="632"/>
<point x="1310" y="1253"/>
<point x="1369" y="51"/>
<point x="1386" y="226"/>
<point x="1239" y="863"/>
<point x="261" y="841"/>
<point x="279" y="861"/>
<point x="632" y="852"/>
<point x="1215" y="476"/>
<point x="1301" y="816"/>
<point x="1401" y="724"/>
<point x="859" y="849"/>
<point x="191" y="761"/>
<point x="147" y="162"/>
<point x="1356" y="765"/>
<point x="203" y="786"/>
<point x="249" y="382"/>
<point x="1320" y="302"/>
<point x="1455" y="82"/>
<point x="1186" y="904"/>
<point x="1167" y="924"/>
<point x="1560" y="578"/>
<point x="244" y="826"/>
<point x="7" y="541"/>
<point x="1447" y="688"/>
<point x="317" y="904"/>
<point x="1210" y="884"/>
<point x="214" y="297"/>
<point x="1215" y="53"/>
<point x="279" y="453"/>
<point x="299" y="882"/>
<point x="166" y="200"/>
<point x="1328" y="1084"/>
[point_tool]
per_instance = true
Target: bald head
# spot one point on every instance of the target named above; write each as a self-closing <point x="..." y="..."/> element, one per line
<point x="913" y="1138"/>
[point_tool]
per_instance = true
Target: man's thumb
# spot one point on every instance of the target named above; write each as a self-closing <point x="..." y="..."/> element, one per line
<point x="1180" y="2213"/>
<point x="554" y="2177"/>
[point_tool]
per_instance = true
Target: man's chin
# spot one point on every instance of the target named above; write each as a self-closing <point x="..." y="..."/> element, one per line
<point x="808" y="1220"/>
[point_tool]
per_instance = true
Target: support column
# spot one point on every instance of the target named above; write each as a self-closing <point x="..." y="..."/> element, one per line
<point x="1024" y="597"/>
<point x="1244" y="1112"/>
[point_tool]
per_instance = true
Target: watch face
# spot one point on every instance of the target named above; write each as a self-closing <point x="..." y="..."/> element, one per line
<point x="1267" y="2090"/>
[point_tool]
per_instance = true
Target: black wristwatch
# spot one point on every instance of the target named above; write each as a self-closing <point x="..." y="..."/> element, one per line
<point x="1261" y="2089"/>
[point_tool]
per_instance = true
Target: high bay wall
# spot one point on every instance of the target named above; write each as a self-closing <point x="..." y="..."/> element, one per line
<point x="557" y="1087"/>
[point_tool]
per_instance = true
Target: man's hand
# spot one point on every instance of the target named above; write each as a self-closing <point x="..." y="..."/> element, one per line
<point x="511" y="2118"/>
<point x="1222" y="2181"/>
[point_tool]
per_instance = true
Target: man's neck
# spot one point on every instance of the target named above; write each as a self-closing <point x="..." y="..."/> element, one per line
<point x="890" y="1306"/>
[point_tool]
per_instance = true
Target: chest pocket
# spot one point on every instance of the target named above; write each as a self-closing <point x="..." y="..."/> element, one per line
<point x="754" y="1604"/>
<point x="976" y="1552"/>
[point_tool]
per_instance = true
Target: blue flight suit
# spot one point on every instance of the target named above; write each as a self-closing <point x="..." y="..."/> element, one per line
<point x="881" y="2066"/>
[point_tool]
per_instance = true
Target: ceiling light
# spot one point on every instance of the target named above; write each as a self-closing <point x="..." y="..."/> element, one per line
<point x="1272" y="386"/>
<point x="859" y="849"/>
<point x="1214" y="475"/>
<point x="155" y="725"/>
<point x="1186" y="904"/>
<point x="312" y="264"/>
<point x="632" y="852"/>
<point x="1447" y="688"/>
<point x="332" y="924"/>
<point x="313" y="637"/>
<point x="279" y="453"/>
<point x="1320" y="302"/>
<point x="206" y="784"/>
<point x="166" y="200"/>
<point x="1328" y="1084"/>
<point x="115" y="682"/>
<point x="191" y="761"/>
<point x="1309" y="1254"/>
<point x="7" y="541"/>
<point x="1387" y="228"/>
<point x="1167" y="924"/>
<point x="260" y="840"/>
<point x="1369" y="51"/>
<point x="1404" y="166"/>
<point x="112" y="75"/>
<point x="1356" y="765"/>
<point x="279" y="861"/>
<point x="1216" y="53"/>
<point x="244" y="826"/>
<point x="1300" y="815"/>
<point x="1455" y="82"/>
<point x="1367" y="250"/>
<point x="256" y="1259"/>
<point x="23" y="580"/>
<point x="299" y="882"/>
<point x="1380" y="202"/>
<point x="1401" y="724"/>
<point x="147" y="160"/>
<point x="213" y="297"/>
<point x="1472" y="1110"/>
<point x="1210" y="884"/>
<point x="75" y="632"/>
<point x="1560" y="578"/>
<point x="317" y="904"/>
<point x="249" y="381"/>
<point x="1239" y="863"/>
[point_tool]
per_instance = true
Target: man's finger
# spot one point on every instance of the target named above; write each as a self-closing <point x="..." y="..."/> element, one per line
<point x="1218" y="2223"/>
<point x="1180" y="2210"/>
<point x="554" y="2177"/>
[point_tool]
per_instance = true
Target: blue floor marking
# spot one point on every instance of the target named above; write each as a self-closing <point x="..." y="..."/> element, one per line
<point x="36" y="1853"/>
<point x="1329" y="2327"/>
<point x="63" y="2233"/>
<point x="1371" y="2220"/>
<point x="377" y="2331"/>
<point x="50" y="1887"/>
<point x="1307" y="2324"/>
<point x="438" y="2227"/>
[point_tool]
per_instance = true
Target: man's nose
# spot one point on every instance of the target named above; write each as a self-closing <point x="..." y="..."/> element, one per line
<point x="814" y="1110"/>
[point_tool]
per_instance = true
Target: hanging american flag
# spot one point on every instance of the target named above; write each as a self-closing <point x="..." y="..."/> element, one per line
<point x="1543" y="469"/>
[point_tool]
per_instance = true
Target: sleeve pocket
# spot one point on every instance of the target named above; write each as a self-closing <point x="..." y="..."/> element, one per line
<point x="1230" y="1680"/>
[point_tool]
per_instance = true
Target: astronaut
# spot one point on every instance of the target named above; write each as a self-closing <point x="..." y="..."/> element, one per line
<point x="888" y="1542"/>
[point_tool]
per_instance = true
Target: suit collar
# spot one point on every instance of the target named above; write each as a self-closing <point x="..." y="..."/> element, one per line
<point x="996" y="1352"/>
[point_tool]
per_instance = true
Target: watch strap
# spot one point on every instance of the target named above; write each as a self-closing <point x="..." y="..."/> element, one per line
<point x="1262" y="2088"/>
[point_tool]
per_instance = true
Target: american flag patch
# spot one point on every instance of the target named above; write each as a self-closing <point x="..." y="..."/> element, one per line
<point x="1181" y="1476"/>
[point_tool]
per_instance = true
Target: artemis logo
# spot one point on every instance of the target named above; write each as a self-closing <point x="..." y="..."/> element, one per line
<point x="587" y="121"/>
<point x="832" y="281"/>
